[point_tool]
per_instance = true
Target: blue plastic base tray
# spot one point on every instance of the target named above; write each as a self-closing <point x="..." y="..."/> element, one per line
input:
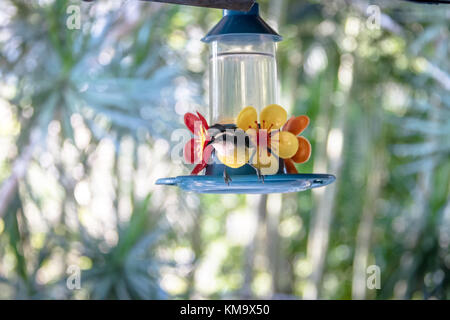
<point x="278" y="183"/>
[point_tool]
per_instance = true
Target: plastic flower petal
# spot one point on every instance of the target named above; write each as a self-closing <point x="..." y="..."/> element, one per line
<point x="206" y="154"/>
<point x="247" y="119"/>
<point x="296" y="125"/>
<point x="196" y="149"/>
<point x="203" y="120"/>
<point x="273" y="117"/>
<point x="189" y="121"/>
<point x="304" y="150"/>
<point x="195" y="122"/>
<point x="285" y="144"/>
<point x="290" y="166"/>
<point x="189" y="151"/>
<point x="198" y="168"/>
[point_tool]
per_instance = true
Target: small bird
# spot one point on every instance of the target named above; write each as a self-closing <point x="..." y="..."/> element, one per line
<point x="233" y="148"/>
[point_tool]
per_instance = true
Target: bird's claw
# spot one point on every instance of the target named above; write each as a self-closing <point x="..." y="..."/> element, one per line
<point x="260" y="176"/>
<point x="226" y="177"/>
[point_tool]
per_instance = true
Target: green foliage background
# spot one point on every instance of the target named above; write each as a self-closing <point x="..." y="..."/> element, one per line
<point x="86" y="118"/>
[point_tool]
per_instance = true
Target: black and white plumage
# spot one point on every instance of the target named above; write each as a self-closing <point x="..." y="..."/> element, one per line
<point x="233" y="147"/>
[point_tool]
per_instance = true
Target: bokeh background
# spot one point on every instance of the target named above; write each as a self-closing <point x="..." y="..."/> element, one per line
<point x="86" y="118"/>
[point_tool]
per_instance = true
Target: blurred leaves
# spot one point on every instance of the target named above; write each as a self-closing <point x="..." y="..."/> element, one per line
<point x="129" y="270"/>
<point x="115" y="73"/>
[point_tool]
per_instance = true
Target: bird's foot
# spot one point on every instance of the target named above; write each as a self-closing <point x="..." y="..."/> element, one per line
<point x="260" y="176"/>
<point x="226" y="177"/>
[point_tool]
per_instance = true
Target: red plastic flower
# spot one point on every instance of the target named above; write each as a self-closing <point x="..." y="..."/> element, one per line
<point x="197" y="151"/>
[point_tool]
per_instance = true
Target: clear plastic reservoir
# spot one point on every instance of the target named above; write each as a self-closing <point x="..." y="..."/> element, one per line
<point x="242" y="72"/>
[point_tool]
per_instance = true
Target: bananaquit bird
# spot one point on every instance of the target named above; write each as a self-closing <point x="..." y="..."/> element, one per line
<point x="233" y="148"/>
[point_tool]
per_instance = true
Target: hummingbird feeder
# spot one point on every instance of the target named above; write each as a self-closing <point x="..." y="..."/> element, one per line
<point x="245" y="115"/>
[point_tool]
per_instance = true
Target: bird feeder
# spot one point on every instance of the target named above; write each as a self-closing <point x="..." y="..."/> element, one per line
<point x="242" y="85"/>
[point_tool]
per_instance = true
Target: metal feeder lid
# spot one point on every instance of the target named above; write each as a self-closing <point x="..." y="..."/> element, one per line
<point x="242" y="23"/>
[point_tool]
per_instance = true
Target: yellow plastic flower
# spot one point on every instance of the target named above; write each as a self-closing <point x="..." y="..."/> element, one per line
<point x="266" y="135"/>
<point x="272" y="118"/>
